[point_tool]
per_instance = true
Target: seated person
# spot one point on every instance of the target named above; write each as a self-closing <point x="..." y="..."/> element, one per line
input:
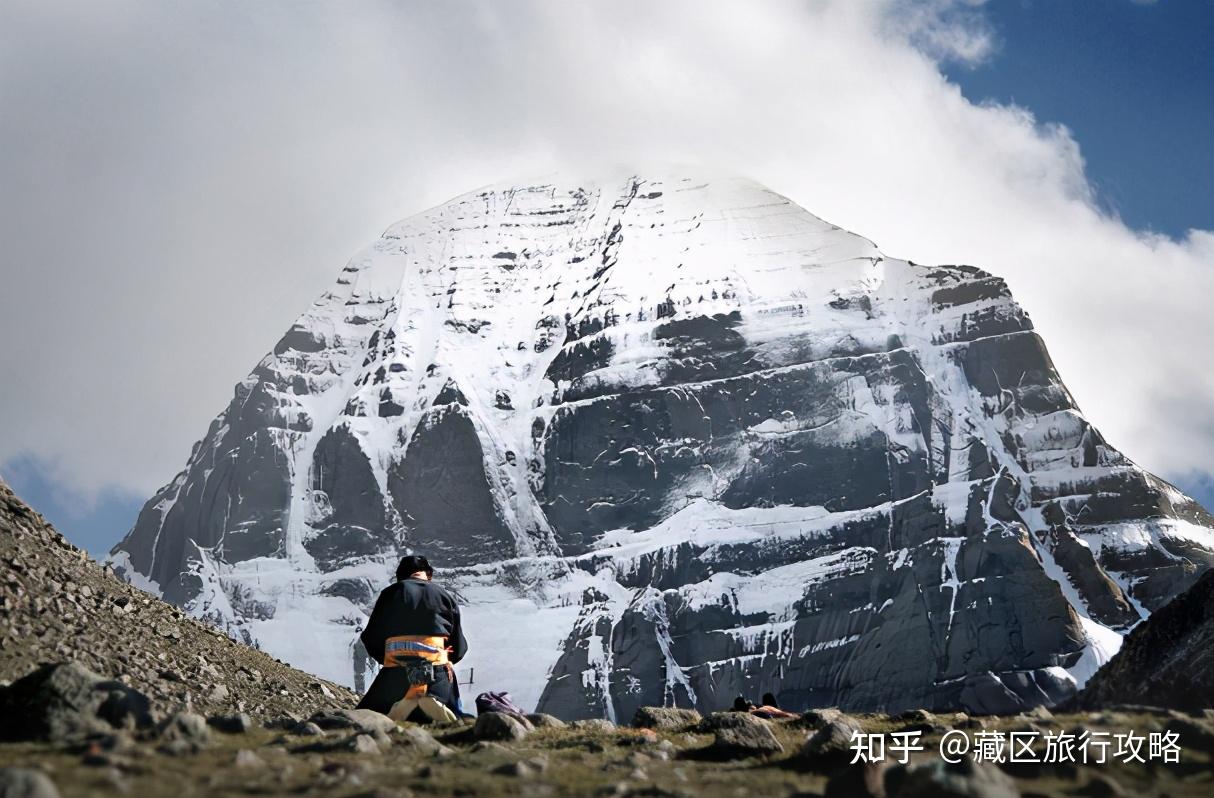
<point x="414" y="633"/>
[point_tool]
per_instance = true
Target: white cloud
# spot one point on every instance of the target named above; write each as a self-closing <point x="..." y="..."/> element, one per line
<point x="180" y="181"/>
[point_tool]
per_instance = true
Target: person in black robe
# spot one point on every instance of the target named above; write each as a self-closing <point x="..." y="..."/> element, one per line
<point x="414" y="605"/>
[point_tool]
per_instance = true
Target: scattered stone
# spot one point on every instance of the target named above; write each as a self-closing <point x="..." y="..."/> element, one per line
<point x="184" y="733"/>
<point x="358" y="743"/>
<point x="817" y="718"/>
<point x="523" y="768"/>
<point x="665" y="718"/>
<point x="594" y="724"/>
<point x="364" y="720"/>
<point x="939" y="779"/>
<point x="751" y="737"/>
<point x="484" y="746"/>
<point x="248" y="759"/>
<point x="541" y="720"/>
<point x="830" y="746"/>
<point x="26" y="783"/>
<point x="499" y="726"/>
<point x="922" y="721"/>
<point x="282" y="722"/>
<point x="419" y="739"/>
<point x="231" y="724"/>
<point x="307" y="729"/>
<point x="1040" y="713"/>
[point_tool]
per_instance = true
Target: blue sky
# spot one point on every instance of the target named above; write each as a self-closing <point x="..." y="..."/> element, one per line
<point x="211" y="159"/>
<point x="1135" y="84"/>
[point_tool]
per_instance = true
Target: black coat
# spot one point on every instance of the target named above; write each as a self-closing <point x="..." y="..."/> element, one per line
<point x="414" y="607"/>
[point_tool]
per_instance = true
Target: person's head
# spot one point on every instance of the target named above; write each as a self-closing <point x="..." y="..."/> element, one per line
<point x="414" y="566"/>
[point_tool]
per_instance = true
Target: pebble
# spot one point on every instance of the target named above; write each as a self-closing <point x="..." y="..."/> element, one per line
<point x="248" y="759"/>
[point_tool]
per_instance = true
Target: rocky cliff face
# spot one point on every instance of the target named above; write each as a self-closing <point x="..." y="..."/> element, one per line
<point x="1168" y="661"/>
<point x="673" y="439"/>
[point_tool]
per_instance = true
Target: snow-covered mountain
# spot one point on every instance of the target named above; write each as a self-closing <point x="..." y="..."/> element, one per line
<point x="673" y="439"/>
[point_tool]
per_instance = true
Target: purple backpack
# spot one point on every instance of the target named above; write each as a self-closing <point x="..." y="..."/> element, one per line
<point x="498" y="702"/>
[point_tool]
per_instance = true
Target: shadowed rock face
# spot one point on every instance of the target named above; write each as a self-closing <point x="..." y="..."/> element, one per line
<point x="680" y="440"/>
<point x="1168" y="661"/>
<point x="441" y="489"/>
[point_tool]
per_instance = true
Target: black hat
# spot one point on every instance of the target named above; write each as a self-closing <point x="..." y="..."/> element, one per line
<point x="411" y="565"/>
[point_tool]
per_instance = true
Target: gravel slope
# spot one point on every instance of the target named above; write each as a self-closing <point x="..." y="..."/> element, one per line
<point x="57" y="604"/>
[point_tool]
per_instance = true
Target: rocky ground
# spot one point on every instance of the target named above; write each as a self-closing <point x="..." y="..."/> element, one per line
<point x="106" y="690"/>
<point x="359" y="753"/>
<point x="58" y="605"/>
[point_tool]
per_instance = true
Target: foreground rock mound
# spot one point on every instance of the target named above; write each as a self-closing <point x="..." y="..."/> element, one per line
<point x="745" y="737"/>
<point x="119" y="657"/>
<point x="1168" y="661"/>
<point x="68" y="702"/>
<point x="665" y="718"/>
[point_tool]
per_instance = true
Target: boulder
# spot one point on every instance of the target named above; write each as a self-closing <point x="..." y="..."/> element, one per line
<point x="26" y="783"/>
<point x="750" y="737"/>
<point x="307" y="729"/>
<point x="366" y="721"/>
<point x="67" y="701"/>
<point x="665" y="718"/>
<point x="419" y="739"/>
<point x="541" y="720"/>
<point x="184" y="733"/>
<point x="499" y="726"/>
<point x="829" y="747"/>
<point x="363" y="744"/>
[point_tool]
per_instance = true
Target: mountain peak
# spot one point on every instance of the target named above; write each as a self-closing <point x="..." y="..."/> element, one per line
<point x="687" y="439"/>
